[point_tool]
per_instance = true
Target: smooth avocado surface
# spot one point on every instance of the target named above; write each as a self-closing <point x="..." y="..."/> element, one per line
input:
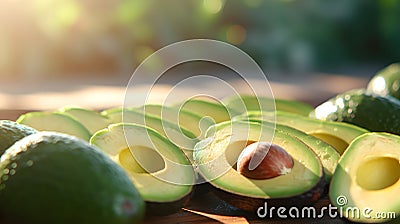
<point x="50" y="177"/>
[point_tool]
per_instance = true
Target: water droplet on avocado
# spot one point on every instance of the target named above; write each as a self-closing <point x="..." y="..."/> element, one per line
<point x="6" y="171"/>
<point x="12" y="172"/>
<point x="4" y="178"/>
<point x="29" y="163"/>
<point x="14" y="165"/>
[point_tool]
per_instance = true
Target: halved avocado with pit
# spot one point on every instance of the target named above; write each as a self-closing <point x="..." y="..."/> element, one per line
<point x="366" y="183"/>
<point x="160" y="171"/>
<point x="216" y="158"/>
<point x="337" y="134"/>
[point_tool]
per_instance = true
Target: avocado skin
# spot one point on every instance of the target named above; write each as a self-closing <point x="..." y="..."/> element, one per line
<point x="11" y="132"/>
<point x="251" y="205"/>
<point x="391" y="86"/>
<point x="372" y="112"/>
<point x="61" y="179"/>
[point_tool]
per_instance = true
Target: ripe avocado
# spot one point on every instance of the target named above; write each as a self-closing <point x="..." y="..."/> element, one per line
<point x="178" y="135"/>
<point x="372" y="112"/>
<point x="207" y="108"/>
<point x="186" y="119"/>
<point x="10" y="132"/>
<point x="337" y="134"/>
<point x="216" y="158"/>
<point x="92" y="120"/>
<point x="50" y="177"/>
<point x="161" y="172"/>
<point x="252" y="102"/>
<point x="55" y="121"/>
<point x="367" y="179"/>
<point x="386" y="82"/>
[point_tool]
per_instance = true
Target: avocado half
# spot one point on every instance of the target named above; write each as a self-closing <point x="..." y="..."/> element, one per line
<point x="216" y="158"/>
<point x="161" y="172"/>
<point x="186" y="119"/>
<point x="337" y="134"/>
<point x="260" y="103"/>
<point x="365" y="186"/>
<point x="177" y="135"/>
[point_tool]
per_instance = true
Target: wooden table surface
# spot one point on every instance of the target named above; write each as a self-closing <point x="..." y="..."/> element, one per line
<point x="206" y="208"/>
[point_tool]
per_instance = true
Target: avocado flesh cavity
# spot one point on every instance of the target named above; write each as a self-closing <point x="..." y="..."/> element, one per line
<point x="55" y="178"/>
<point x="92" y="120"/>
<point x="11" y="132"/>
<point x="186" y="119"/>
<point x="55" y="121"/>
<point x="179" y="136"/>
<point x="368" y="176"/>
<point x="337" y="134"/>
<point x="216" y="157"/>
<point x="260" y="103"/>
<point x="158" y="168"/>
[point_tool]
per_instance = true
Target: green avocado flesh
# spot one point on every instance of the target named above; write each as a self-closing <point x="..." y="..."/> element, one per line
<point x="372" y="112"/>
<point x="50" y="177"/>
<point x="337" y="134"/>
<point x="158" y="168"/>
<point x="367" y="176"/>
<point x="205" y="108"/>
<point x="386" y="82"/>
<point x="326" y="153"/>
<point x="245" y="103"/>
<point x="92" y="120"/>
<point x="55" y="121"/>
<point x="216" y="158"/>
<point x="186" y="119"/>
<point x="178" y="135"/>
<point x="10" y="132"/>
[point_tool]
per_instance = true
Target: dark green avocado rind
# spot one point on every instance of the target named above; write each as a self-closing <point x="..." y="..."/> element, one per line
<point x="372" y="112"/>
<point x="11" y="132"/>
<point x="55" y="178"/>
<point x="386" y="81"/>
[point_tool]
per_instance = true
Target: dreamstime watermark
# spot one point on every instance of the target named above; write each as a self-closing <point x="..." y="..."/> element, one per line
<point x="310" y="212"/>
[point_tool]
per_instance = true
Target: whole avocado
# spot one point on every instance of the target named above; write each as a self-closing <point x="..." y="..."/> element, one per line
<point x="386" y="82"/>
<point x="50" y="177"/>
<point x="372" y="112"/>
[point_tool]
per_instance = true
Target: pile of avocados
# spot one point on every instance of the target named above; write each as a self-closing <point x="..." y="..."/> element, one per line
<point x="121" y="165"/>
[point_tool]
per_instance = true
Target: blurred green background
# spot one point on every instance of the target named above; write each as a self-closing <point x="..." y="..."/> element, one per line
<point x="44" y="39"/>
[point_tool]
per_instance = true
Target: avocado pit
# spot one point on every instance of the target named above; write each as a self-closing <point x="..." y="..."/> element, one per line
<point x="263" y="160"/>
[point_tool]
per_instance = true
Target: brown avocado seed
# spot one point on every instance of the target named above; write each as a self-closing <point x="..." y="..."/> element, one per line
<point x="263" y="160"/>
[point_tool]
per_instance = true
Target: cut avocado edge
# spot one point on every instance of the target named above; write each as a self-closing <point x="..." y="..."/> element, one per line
<point x="204" y="108"/>
<point x="367" y="177"/>
<point x="171" y="181"/>
<point x="55" y="121"/>
<point x="216" y="157"/>
<point x="254" y="103"/>
<point x="178" y="135"/>
<point x="337" y="134"/>
<point x="185" y="119"/>
<point x="91" y="119"/>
